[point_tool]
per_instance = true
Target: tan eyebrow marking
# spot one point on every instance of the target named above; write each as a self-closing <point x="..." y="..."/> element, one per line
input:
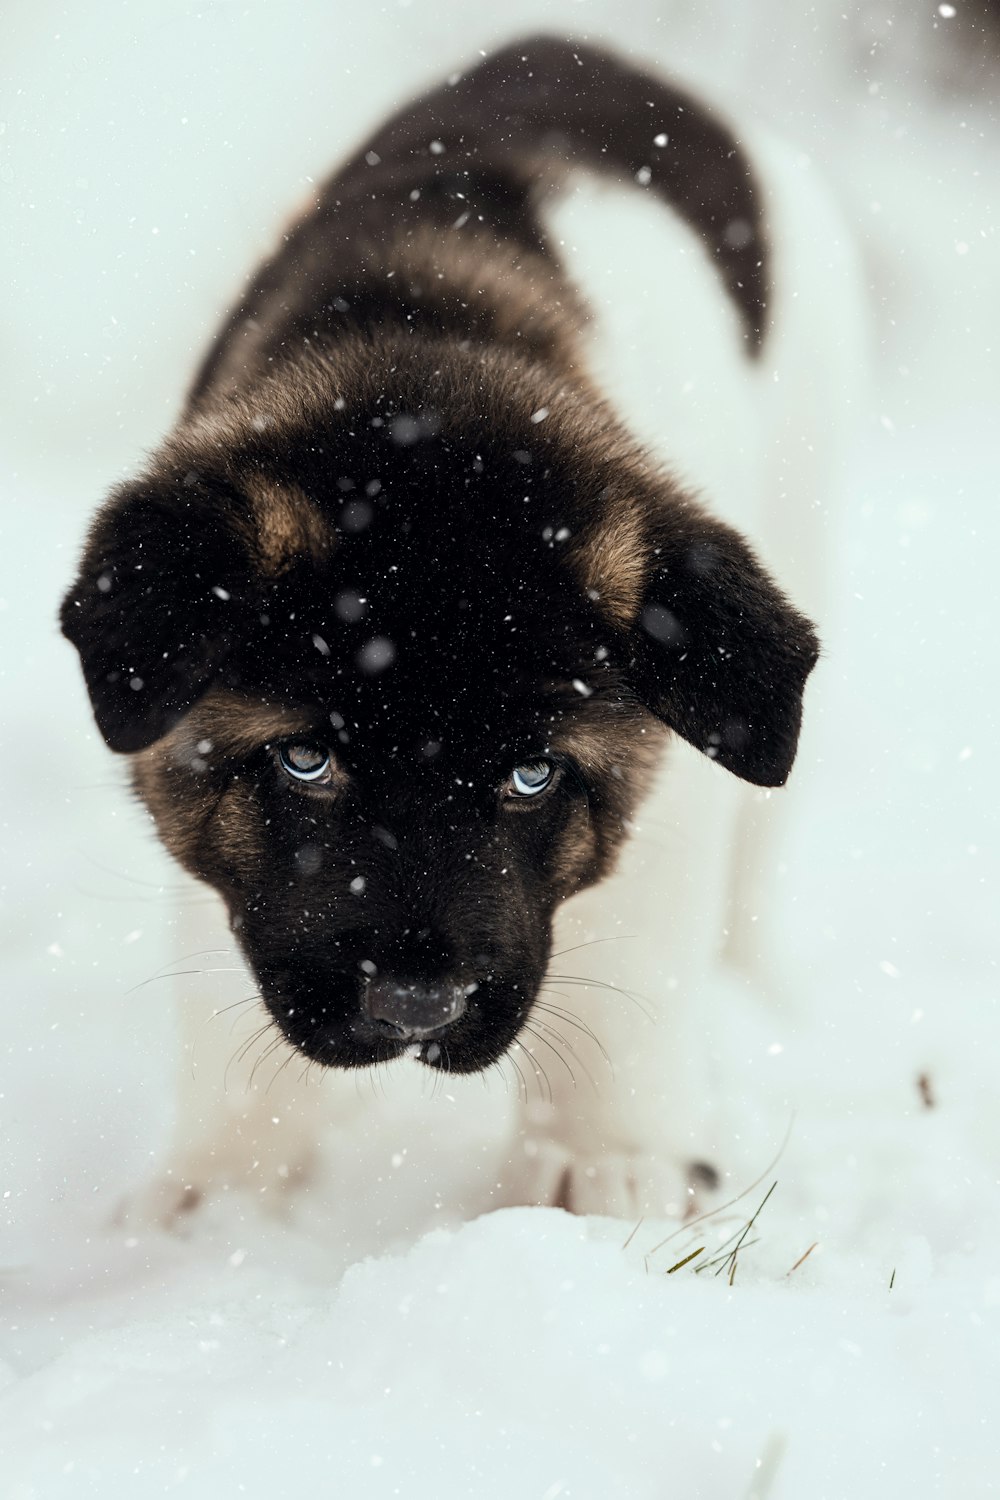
<point x="627" y="741"/>
<point x="232" y="724"/>
<point x="610" y="560"/>
<point x="289" y="525"/>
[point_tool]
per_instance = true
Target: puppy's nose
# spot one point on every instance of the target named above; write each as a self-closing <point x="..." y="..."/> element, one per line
<point x="410" y="1011"/>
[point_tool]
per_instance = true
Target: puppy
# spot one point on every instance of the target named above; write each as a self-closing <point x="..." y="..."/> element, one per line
<point x="405" y="619"/>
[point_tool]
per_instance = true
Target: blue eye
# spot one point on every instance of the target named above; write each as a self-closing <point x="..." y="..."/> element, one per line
<point x="304" y="762"/>
<point x="531" y="778"/>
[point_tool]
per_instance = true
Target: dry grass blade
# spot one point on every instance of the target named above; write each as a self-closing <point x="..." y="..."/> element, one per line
<point x="678" y="1264"/>
<point x="713" y="1213"/>
<point x="722" y="1252"/>
<point x="804" y="1256"/>
<point x="717" y="1260"/>
<point x="734" y="1252"/>
<point x="635" y="1231"/>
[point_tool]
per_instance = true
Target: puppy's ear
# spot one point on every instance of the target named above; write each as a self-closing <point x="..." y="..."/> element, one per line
<point x="154" y="612"/>
<point x="719" y="653"/>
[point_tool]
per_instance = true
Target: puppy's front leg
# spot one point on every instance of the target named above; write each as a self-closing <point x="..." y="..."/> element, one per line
<point x="632" y="1139"/>
<point x="245" y="1116"/>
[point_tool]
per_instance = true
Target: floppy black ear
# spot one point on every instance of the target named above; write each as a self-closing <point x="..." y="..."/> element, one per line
<point x="720" y="654"/>
<point x="154" y="611"/>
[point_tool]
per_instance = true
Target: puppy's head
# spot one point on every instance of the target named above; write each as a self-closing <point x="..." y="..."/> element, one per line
<point x="393" y="665"/>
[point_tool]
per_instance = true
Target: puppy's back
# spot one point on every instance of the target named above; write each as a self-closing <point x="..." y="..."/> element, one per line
<point x="450" y="191"/>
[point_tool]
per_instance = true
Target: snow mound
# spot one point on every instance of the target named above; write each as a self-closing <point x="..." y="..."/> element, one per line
<point x="524" y="1354"/>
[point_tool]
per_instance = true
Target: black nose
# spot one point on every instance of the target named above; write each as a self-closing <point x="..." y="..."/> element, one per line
<point x="412" y="1012"/>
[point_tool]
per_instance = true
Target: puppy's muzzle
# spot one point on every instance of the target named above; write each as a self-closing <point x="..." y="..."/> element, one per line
<point x="413" y="1012"/>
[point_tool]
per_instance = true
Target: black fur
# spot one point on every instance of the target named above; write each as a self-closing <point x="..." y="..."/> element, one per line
<point x="361" y="517"/>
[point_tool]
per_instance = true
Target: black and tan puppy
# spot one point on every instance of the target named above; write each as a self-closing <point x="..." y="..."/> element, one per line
<point x="397" y="622"/>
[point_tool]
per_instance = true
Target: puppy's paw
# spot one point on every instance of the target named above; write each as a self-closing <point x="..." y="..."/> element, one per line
<point x="623" y="1185"/>
<point x="171" y="1200"/>
<point x="165" y="1202"/>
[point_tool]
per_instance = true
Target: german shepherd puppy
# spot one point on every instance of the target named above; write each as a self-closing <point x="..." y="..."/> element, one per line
<point x="400" y="624"/>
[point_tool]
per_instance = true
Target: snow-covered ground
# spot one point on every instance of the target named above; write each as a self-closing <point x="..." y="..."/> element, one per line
<point x="390" y="1336"/>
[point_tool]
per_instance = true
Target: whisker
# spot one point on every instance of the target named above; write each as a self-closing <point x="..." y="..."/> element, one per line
<point x="266" y="1053"/>
<point x="242" y="1052"/>
<point x="236" y="1005"/>
<point x="522" y="1086"/>
<point x="281" y="1069"/>
<point x="509" y="1057"/>
<point x="618" y="937"/>
<point x="222" y="1009"/>
<point x="245" y="1048"/>
<point x="538" y="1070"/>
<point x="157" y="885"/>
<point x="180" y="902"/>
<point x="641" y="1001"/>
<point x="435" y="1081"/>
<point x="567" y="1015"/>
<point x="574" y="1054"/>
<point x="600" y="984"/>
<point x="184" y="958"/>
<point x="378" y="1077"/>
<point x="501" y="1067"/>
<point x="446" y="1072"/>
<point x="180" y="974"/>
<point x="496" y="1064"/>
<point x="552" y="1048"/>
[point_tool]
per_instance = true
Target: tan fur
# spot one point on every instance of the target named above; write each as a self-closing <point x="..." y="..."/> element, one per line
<point x="619" y="755"/>
<point x="233" y="725"/>
<point x="621" y="759"/>
<point x="179" y="800"/>
<point x="611" y="561"/>
<point x="526" y="299"/>
<point x="573" y="860"/>
<point x="209" y="832"/>
<point x="615" y="748"/>
<point x="288" y="525"/>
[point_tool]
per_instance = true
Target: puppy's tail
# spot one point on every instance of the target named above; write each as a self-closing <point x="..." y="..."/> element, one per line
<point x="492" y="140"/>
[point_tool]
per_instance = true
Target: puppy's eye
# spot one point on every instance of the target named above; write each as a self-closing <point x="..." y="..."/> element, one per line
<point x="531" y="778"/>
<point x="305" y="762"/>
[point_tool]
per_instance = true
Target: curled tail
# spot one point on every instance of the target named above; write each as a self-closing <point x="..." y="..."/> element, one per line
<point x="479" y="154"/>
<point x="492" y="140"/>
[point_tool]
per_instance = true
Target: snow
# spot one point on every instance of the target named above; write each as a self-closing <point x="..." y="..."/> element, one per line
<point x="391" y="1335"/>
